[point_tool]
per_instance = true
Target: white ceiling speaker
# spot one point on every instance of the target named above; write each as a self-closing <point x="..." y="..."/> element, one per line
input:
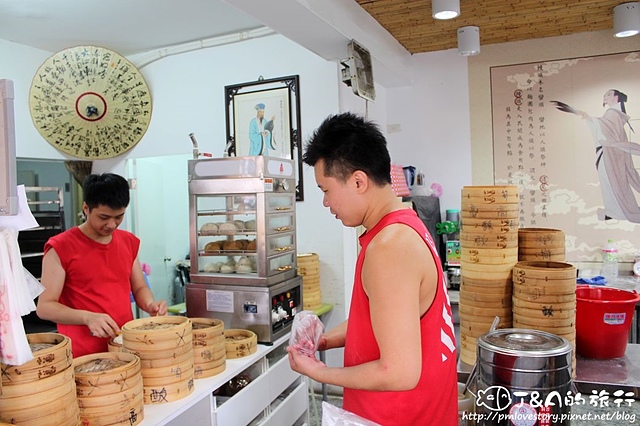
<point x="468" y="41"/>
<point x="445" y="9"/>
<point x="626" y="19"/>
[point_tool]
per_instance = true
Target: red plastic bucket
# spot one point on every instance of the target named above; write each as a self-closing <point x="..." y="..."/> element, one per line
<point x="603" y="320"/>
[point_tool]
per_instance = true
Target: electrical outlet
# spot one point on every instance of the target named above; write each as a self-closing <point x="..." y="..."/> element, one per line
<point x="394" y="128"/>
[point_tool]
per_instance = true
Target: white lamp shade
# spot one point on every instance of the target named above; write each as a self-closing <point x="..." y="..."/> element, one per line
<point x="468" y="41"/>
<point x="626" y="19"/>
<point x="445" y="9"/>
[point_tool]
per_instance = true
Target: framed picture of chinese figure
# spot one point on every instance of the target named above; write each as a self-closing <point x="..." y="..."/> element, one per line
<point x="263" y="118"/>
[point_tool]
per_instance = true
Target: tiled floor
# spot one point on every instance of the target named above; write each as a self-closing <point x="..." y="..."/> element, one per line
<point x="315" y="407"/>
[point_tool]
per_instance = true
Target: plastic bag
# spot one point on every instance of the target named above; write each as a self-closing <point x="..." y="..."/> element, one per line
<point x="336" y="416"/>
<point x="306" y="331"/>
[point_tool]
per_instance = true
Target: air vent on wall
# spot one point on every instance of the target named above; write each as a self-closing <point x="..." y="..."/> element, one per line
<point x="358" y="71"/>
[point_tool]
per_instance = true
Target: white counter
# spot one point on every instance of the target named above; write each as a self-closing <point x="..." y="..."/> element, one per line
<point x="276" y="393"/>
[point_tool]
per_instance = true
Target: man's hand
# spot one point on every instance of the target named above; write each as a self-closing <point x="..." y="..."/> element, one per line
<point x="101" y="325"/>
<point x="156" y="308"/>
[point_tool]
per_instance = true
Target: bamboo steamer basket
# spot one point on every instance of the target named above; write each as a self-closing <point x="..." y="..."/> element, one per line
<point x="535" y="305"/>
<point x="479" y="282"/>
<point x="497" y="243"/>
<point x="39" y="402"/>
<point x="544" y="270"/>
<point x="61" y="411"/>
<point x="489" y="226"/>
<point x="549" y="313"/>
<point x="210" y="353"/>
<point x="115" y="344"/>
<point x="540" y="238"/>
<point x="481" y="311"/>
<point x="502" y="211"/>
<point x="497" y="194"/>
<point x="309" y="269"/>
<point x="487" y="267"/>
<point x="51" y="355"/>
<point x="542" y="254"/>
<point x="109" y="386"/>
<point x="489" y="260"/>
<point x="240" y="343"/>
<point x="485" y="275"/>
<point x="165" y="347"/>
<point x="202" y="373"/>
<point x="484" y="252"/>
<point x="204" y="329"/>
<point x="167" y="393"/>
<point x="484" y="299"/>
<point x="538" y="295"/>
<point x="155" y="334"/>
<point x="106" y="373"/>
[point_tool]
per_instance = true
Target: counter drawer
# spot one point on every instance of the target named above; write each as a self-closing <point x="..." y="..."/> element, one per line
<point x="293" y="407"/>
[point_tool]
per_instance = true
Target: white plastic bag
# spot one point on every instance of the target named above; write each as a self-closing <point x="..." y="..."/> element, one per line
<point x="336" y="416"/>
<point x="306" y="331"/>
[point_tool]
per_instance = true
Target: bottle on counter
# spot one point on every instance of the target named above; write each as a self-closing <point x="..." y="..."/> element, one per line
<point x="610" y="261"/>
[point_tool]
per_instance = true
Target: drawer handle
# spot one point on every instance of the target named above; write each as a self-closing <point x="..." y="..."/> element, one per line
<point x="285" y="268"/>
<point x="283" y="248"/>
<point x="282" y="208"/>
<point x="283" y="228"/>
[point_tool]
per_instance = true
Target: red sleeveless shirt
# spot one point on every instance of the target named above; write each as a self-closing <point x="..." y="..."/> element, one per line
<point x="434" y="400"/>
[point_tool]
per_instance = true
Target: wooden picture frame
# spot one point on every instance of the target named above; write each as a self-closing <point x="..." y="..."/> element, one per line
<point x="263" y="118"/>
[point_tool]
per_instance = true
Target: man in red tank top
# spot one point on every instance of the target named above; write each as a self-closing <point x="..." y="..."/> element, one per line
<point x="89" y="271"/>
<point x="399" y="342"/>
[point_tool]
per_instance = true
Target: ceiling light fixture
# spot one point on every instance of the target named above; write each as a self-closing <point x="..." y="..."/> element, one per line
<point x="468" y="41"/>
<point x="626" y="19"/>
<point x="445" y="9"/>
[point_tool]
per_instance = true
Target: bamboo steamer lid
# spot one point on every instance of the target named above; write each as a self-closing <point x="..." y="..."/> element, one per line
<point x="94" y="373"/>
<point x="51" y="355"/>
<point x="240" y="343"/>
<point x="540" y="238"/>
<point x="154" y="334"/>
<point x="204" y="329"/>
<point x="308" y="259"/>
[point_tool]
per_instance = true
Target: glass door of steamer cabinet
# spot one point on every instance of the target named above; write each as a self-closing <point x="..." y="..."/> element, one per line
<point x="243" y="239"/>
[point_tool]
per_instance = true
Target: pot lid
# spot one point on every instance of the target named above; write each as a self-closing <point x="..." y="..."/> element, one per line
<point x="524" y="342"/>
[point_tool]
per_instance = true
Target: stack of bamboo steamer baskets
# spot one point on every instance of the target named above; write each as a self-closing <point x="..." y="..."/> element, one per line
<point x="164" y="345"/>
<point x="541" y="244"/>
<point x="240" y="343"/>
<point x="309" y="269"/>
<point x="41" y="391"/>
<point x="209" y="350"/>
<point x="109" y="389"/>
<point x="544" y="298"/>
<point x="489" y="249"/>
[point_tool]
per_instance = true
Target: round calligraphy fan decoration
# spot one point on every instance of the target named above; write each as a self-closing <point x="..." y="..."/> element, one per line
<point x="90" y="102"/>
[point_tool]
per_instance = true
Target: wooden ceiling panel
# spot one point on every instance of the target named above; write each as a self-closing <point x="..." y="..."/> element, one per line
<point x="500" y="21"/>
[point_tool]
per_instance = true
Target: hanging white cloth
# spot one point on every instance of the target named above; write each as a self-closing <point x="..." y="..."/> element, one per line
<point x="18" y="289"/>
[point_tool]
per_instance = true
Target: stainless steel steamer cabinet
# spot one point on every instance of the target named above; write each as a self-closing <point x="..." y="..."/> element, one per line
<point x="242" y="227"/>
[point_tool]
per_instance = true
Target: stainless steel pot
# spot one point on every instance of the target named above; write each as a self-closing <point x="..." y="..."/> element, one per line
<point x="519" y="372"/>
